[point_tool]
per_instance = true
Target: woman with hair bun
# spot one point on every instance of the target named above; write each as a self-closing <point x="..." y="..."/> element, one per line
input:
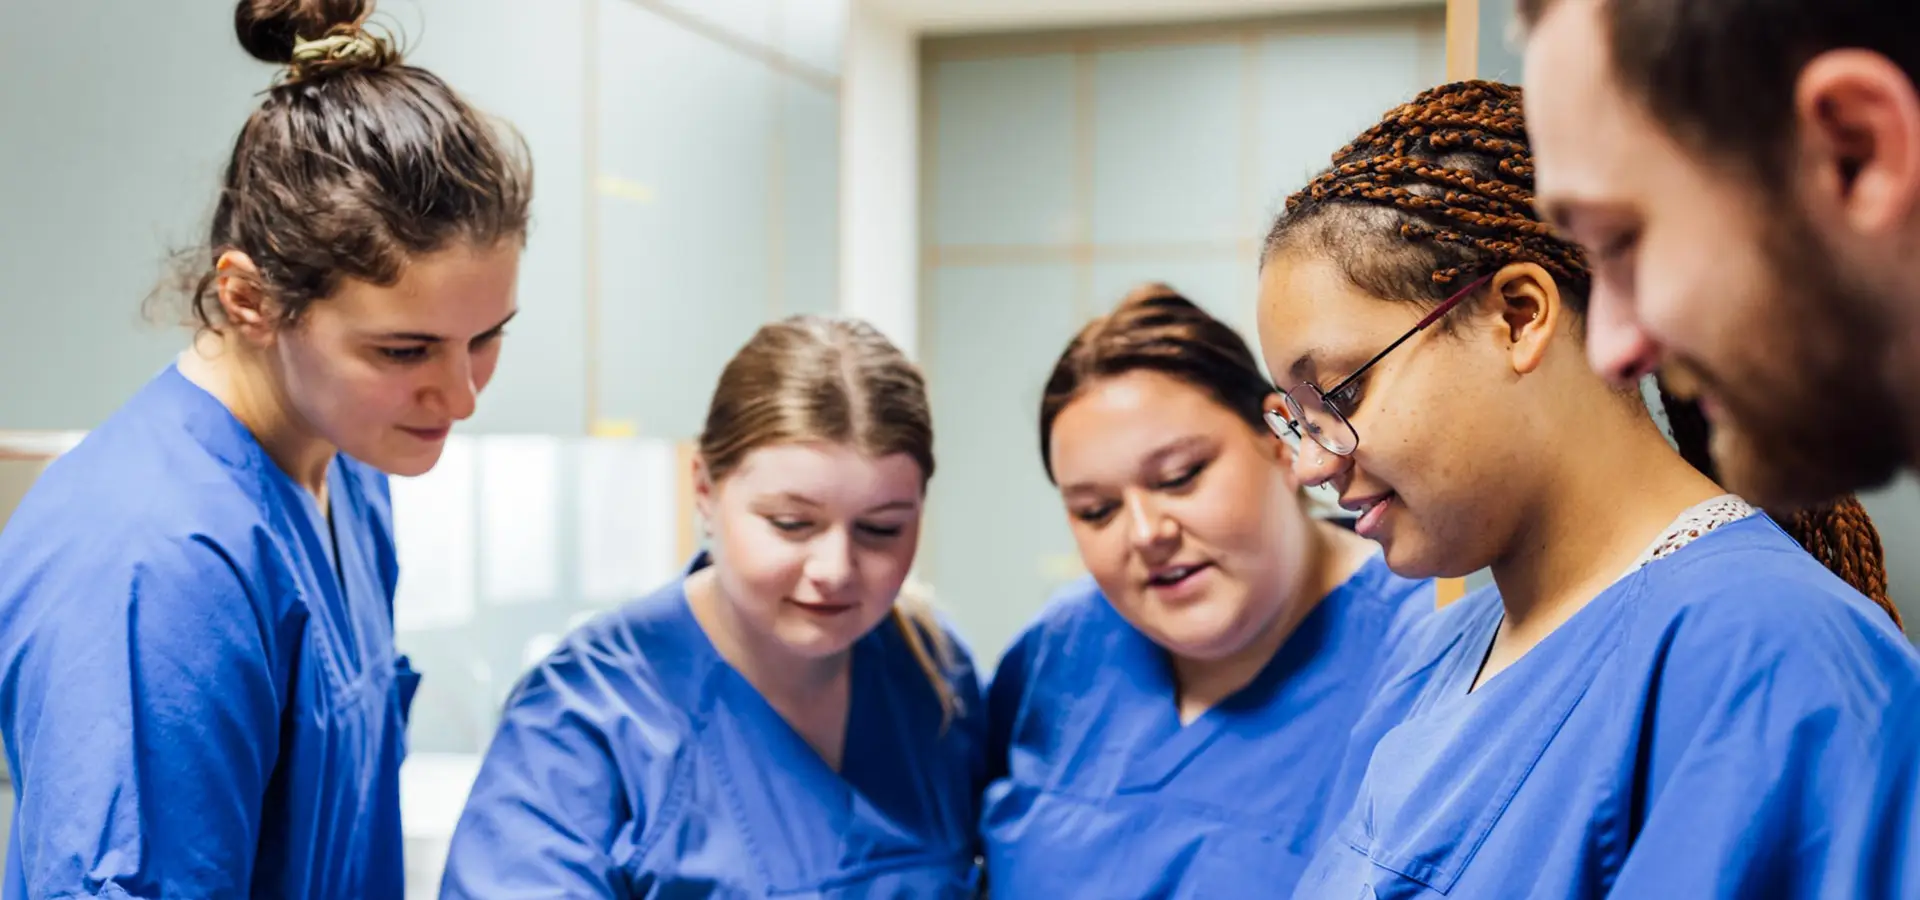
<point x="199" y="691"/>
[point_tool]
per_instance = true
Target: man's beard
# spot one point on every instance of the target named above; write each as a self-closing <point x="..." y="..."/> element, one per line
<point x="1804" y="418"/>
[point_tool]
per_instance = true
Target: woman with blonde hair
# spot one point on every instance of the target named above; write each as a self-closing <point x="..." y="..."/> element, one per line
<point x="780" y="720"/>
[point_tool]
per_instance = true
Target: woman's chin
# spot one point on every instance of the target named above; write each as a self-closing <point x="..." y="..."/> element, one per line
<point x="815" y="636"/>
<point x="1410" y="557"/>
<point x="402" y="456"/>
<point x="1200" y="633"/>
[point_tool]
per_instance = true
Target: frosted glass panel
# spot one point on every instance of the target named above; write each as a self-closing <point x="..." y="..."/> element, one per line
<point x="998" y="543"/>
<point x="1499" y="59"/>
<point x="519" y="519"/>
<point x="1003" y="147"/>
<point x="1169" y="138"/>
<point x="810" y="190"/>
<point x="508" y="57"/>
<point x="103" y="170"/>
<point x="1323" y="84"/>
<point x="436" y="528"/>
<point x="752" y="20"/>
<point x="628" y="518"/>
<point x="471" y="661"/>
<point x="814" y="31"/>
<point x="685" y="255"/>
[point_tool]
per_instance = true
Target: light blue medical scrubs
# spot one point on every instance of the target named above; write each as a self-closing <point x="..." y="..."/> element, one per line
<point x="636" y="763"/>
<point x="1691" y="733"/>
<point x="1103" y="793"/>
<point x="198" y="687"/>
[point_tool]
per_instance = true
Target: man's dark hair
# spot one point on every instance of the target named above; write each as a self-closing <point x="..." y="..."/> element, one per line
<point x="1720" y="74"/>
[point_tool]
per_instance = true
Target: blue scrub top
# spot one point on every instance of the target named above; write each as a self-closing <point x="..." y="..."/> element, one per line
<point x="1103" y="793"/>
<point x="194" y="704"/>
<point x="636" y="763"/>
<point x="1882" y="838"/>
<point x="1691" y="732"/>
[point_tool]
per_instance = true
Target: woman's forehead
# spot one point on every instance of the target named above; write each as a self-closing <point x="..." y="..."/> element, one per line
<point x="828" y="474"/>
<point x="1310" y="315"/>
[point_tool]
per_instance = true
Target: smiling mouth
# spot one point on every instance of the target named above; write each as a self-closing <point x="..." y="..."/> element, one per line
<point x="1173" y="575"/>
<point x="1367" y="512"/>
<point x="1362" y="507"/>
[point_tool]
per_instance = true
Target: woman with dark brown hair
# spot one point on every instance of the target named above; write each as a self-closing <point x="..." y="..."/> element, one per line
<point x="199" y="691"/>
<point x="780" y="721"/>
<point x="1176" y="723"/>
<point x="1664" y="693"/>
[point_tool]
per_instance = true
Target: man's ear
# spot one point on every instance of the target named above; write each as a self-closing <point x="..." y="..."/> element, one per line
<point x="1859" y="138"/>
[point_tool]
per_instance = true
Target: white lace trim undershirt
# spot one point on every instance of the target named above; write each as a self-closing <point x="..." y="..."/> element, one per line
<point x="1692" y="524"/>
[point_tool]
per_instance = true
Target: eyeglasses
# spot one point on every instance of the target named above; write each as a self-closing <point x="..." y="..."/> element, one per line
<point x="1319" y="414"/>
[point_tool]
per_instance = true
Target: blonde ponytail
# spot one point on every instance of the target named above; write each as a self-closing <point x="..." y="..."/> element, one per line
<point x="913" y="614"/>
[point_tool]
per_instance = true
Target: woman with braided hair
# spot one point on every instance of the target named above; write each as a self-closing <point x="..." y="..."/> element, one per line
<point x="1662" y="694"/>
